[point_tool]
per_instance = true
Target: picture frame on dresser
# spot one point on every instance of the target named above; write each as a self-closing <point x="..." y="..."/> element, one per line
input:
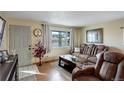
<point x="3" y="56"/>
<point x="2" y="27"/>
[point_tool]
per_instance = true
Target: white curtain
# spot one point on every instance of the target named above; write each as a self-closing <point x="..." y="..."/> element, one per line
<point x="72" y="38"/>
<point x="47" y="39"/>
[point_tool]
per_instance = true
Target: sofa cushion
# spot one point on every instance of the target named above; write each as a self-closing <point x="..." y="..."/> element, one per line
<point x="90" y="47"/>
<point x="76" y="50"/>
<point x="94" y="50"/>
<point x="76" y="54"/>
<point x="83" y="56"/>
<point x="113" y="57"/>
<point x="85" y="49"/>
<point x="87" y="78"/>
<point x="108" y="71"/>
<point x="82" y="46"/>
<point x="120" y="71"/>
<point x="92" y="59"/>
<point x="100" y="48"/>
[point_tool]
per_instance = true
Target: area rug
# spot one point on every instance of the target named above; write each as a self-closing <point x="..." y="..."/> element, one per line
<point x="28" y="73"/>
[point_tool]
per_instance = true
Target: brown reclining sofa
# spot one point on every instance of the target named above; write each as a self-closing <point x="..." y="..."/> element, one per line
<point x="109" y="67"/>
<point x="89" y="52"/>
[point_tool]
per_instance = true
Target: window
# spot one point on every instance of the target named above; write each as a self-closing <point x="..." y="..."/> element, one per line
<point x="60" y="39"/>
<point x="94" y="36"/>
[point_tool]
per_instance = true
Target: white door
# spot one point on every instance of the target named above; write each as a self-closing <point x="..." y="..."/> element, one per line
<point x="20" y="41"/>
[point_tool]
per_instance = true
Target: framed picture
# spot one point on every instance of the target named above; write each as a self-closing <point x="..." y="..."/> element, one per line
<point x="94" y="36"/>
<point x="2" y="26"/>
<point x="3" y="55"/>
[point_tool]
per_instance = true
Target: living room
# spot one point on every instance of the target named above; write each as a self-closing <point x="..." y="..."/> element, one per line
<point x="88" y="60"/>
<point x="60" y="35"/>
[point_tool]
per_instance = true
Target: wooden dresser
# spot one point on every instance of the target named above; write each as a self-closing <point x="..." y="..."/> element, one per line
<point x="8" y="69"/>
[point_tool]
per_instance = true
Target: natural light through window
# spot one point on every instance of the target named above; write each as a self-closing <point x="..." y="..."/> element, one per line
<point x="60" y="39"/>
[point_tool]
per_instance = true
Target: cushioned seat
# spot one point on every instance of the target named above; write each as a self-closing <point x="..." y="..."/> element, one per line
<point x="87" y="78"/>
<point x="92" y="59"/>
<point x="89" y="51"/>
<point x="83" y="56"/>
<point x="109" y="67"/>
<point x="76" y="54"/>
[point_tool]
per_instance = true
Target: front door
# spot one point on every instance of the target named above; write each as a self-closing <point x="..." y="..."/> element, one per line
<point x="20" y="42"/>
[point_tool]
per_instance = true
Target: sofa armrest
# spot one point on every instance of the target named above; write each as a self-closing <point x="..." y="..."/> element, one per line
<point x="86" y="71"/>
<point x="106" y="48"/>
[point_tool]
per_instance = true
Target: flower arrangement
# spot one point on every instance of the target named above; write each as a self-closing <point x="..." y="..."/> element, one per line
<point x="39" y="51"/>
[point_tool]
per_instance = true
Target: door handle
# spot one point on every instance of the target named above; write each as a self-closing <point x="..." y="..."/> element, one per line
<point x="29" y="48"/>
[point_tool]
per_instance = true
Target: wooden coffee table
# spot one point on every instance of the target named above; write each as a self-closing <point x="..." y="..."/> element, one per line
<point x="68" y="62"/>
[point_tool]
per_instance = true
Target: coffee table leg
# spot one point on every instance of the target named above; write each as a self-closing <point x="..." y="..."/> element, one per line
<point x="59" y="61"/>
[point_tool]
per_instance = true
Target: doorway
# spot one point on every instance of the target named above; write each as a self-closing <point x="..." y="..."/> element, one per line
<point x="20" y="42"/>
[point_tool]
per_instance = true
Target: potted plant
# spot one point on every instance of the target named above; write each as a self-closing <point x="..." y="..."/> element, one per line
<point x="39" y="51"/>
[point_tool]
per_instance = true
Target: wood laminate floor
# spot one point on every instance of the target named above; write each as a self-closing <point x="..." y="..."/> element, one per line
<point x="52" y="72"/>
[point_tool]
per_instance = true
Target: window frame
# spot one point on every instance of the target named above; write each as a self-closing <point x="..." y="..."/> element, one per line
<point x="66" y="40"/>
<point x="93" y="31"/>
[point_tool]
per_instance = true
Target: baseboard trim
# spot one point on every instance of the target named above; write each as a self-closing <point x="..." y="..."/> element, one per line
<point x="45" y="61"/>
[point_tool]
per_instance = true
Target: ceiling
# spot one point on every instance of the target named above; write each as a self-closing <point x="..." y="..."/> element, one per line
<point x="68" y="18"/>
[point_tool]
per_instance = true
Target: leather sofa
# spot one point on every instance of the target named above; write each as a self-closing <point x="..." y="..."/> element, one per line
<point x="109" y="67"/>
<point x="89" y="51"/>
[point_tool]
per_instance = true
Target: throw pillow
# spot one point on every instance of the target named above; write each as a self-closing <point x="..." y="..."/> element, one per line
<point x="76" y="50"/>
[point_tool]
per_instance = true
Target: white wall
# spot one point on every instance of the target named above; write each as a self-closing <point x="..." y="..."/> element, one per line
<point x="77" y="37"/>
<point x="55" y="52"/>
<point x="112" y="34"/>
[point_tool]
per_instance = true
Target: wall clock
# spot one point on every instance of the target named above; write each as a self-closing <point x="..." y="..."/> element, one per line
<point x="37" y="32"/>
